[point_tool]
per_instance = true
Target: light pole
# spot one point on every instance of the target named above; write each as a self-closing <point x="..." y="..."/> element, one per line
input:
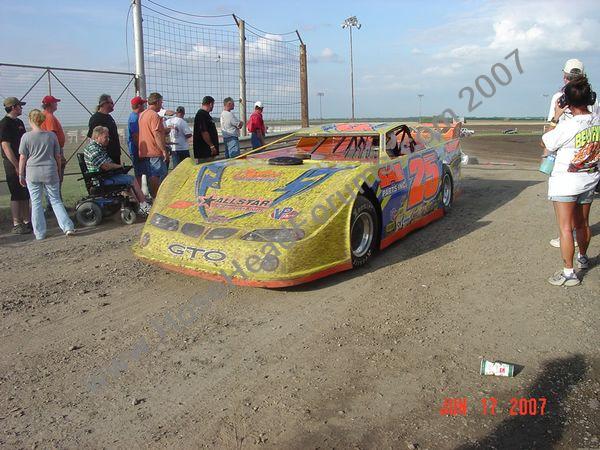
<point x="321" y="94"/>
<point x="349" y="23"/>
<point x="420" y="97"/>
<point x="546" y="97"/>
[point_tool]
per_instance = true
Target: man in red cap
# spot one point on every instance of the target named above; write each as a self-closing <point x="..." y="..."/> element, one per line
<point x="49" y="107"/>
<point x="138" y="104"/>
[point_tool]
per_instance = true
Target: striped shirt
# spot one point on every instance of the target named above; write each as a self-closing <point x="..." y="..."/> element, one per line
<point x="95" y="155"/>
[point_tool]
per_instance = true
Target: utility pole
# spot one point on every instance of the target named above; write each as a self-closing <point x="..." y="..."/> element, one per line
<point x="349" y="23"/>
<point x="420" y="97"/>
<point x="138" y="39"/>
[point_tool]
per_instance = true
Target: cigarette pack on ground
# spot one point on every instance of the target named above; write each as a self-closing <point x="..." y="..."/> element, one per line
<point x="497" y="368"/>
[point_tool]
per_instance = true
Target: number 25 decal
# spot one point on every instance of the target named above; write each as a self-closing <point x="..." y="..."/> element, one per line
<point x="424" y="175"/>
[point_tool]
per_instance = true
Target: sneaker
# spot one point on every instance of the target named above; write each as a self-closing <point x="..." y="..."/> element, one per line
<point x="28" y="226"/>
<point x="583" y="262"/>
<point x="144" y="208"/>
<point x="556" y="242"/>
<point x="70" y="232"/>
<point x="560" y="279"/>
<point x="20" y="229"/>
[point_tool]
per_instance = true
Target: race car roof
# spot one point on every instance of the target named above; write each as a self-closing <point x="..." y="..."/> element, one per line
<point x="350" y="129"/>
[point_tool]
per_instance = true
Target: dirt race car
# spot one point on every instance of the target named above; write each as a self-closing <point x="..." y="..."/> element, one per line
<point x="321" y="201"/>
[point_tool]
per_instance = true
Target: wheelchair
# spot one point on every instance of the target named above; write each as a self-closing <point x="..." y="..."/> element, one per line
<point x="103" y="200"/>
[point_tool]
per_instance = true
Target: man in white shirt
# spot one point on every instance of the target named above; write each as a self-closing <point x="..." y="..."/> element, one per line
<point x="179" y="134"/>
<point x="230" y="129"/>
<point x="573" y="68"/>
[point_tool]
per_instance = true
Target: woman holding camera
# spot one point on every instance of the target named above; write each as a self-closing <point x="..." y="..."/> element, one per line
<point x="40" y="158"/>
<point x="575" y="143"/>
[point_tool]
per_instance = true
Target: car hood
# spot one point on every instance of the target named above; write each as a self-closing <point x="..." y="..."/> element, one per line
<point x="244" y="193"/>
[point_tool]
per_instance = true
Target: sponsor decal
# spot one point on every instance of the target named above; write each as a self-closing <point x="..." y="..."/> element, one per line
<point x="210" y="177"/>
<point x="196" y="252"/>
<point x="257" y="175"/>
<point x="217" y="219"/>
<point x="286" y="213"/>
<point x="181" y="204"/>
<point x="246" y="204"/>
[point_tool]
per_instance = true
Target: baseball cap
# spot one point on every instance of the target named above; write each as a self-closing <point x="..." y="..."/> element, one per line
<point x="48" y="99"/>
<point x="258" y="104"/>
<point x="12" y="101"/>
<point x="137" y="101"/>
<point x="573" y="66"/>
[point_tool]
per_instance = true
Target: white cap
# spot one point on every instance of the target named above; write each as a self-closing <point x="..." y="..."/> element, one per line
<point x="258" y="104"/>
<point x="573" y="64"/>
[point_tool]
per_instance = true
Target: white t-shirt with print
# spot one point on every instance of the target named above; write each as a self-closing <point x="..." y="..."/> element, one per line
<point x="562" y="141"/>
<point x="177" y="134"/>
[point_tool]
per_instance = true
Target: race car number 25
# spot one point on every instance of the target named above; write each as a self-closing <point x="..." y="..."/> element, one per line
<point x="423" y="173"/>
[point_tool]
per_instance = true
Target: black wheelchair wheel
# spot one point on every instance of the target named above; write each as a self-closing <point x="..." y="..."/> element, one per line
<point x="88" y="214"/>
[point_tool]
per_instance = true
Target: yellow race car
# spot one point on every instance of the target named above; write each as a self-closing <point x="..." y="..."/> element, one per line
<point x="320" y="201"/>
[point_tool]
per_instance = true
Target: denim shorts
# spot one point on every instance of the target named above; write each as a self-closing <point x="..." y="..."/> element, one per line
<point x="155" y="167"/>
<point x="581" y="199"/>
<point x="121" y="178"/>
<point x="138" y="166"/>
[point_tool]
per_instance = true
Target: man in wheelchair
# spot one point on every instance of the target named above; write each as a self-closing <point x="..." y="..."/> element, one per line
<point x="97" y="160"/>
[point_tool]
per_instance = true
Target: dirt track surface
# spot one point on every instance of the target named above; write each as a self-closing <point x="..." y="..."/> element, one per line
<point x="99" y="350"/>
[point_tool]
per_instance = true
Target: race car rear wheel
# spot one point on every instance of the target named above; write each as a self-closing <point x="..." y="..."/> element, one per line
<point x="447" y="192"/>
<point x="364" y="224"/>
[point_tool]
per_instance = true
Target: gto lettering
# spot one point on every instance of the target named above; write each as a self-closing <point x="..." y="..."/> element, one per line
<point x="209" y="255"/>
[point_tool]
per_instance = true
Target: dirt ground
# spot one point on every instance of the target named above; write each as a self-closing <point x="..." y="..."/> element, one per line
<point x="99" y="350"/>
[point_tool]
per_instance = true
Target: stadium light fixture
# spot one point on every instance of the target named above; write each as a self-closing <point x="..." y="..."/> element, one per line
<point x="349" y="23"/>
<point x="321" y="94"/>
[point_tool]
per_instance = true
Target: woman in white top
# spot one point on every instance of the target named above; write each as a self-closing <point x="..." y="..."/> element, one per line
<point x="576" y="145"/>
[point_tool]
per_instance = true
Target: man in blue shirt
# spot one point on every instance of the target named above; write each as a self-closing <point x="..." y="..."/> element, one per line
<point x="138" y="104"/>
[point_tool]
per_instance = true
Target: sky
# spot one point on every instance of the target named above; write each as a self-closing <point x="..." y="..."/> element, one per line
<point x="438" y="48"/>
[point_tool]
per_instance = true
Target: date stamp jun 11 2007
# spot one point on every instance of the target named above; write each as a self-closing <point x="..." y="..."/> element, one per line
<point x="518" y="406"/>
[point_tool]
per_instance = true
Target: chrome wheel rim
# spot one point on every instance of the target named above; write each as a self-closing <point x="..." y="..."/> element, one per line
<point x="447" y="191"/>
<point x="361" y="234"/>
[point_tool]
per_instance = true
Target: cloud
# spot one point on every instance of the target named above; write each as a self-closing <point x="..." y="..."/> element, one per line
<point x="416" y="51"/>
<point x="443" y="71"/>
<point x="535" y="28"/>
<point x="327" y="55"/>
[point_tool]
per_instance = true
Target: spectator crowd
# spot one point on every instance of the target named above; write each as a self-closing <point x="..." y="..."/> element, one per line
<point x="34" y="161"/>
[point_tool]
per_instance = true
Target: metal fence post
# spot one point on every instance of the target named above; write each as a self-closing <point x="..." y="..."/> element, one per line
<point x="243" y="107"/>
<point x="303" y="86"/>
<point x="49" y="83"/>
<point x="138" y="37"/>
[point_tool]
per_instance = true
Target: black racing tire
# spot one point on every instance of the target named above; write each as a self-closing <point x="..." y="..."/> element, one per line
<point x="364" y="226"/>
<point x="447" y="190"/>
<point x="88" y="214"/>
<point x="128" y="216"/>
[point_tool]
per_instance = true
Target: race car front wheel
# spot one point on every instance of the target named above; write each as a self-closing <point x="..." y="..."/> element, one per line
<point x="364" y="224"/>
<point x="447" y="190"/>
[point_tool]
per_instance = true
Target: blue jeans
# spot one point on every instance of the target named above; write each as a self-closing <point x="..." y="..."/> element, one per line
<point x="120" y="178"/>
<point x="179" y="156"/>
<point x="37" y="212"/>
<point x="255" y="140"/>
<point x="232" y="147"/>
